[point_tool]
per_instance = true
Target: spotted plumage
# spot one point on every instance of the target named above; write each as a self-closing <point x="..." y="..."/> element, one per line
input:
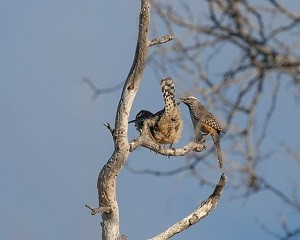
<point x="204" y="123"/>
<point x="165" y="126"/>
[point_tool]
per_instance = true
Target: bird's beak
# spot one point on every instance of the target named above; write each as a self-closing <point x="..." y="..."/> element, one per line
<point x="132" y="121"/>
<point x="181" y="100"/>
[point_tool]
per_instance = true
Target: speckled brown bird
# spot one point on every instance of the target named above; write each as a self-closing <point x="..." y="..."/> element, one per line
<point x="204" y="123"/>
<point x="165" y="126"/>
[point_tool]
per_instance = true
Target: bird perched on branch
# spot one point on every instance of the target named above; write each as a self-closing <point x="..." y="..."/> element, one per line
<point x="140" y="118"/>
<point x="204" y="123"/>
<point x="165" y="126"/>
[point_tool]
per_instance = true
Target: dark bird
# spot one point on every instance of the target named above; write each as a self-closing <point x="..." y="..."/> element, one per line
<point x="140" y="119"/>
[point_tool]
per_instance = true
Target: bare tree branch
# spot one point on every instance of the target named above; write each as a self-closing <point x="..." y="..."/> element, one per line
<point x="107" y="125"/>
<point x="188" y="167"/>
<point x="161" y="40"/>
<point x="201" y="212"/>
<point x="148" y="143"/>
<point x="290" y="202"/>
<point x="100" y="91"/>
<point x="288" y="234"/>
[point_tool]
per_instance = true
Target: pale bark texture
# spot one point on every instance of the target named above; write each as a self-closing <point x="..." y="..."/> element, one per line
<point x="108" y="175"/>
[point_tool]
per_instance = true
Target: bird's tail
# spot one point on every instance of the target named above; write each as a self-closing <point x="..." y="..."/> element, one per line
<point x="216" y="139"/>
<point x="168" y="91"/>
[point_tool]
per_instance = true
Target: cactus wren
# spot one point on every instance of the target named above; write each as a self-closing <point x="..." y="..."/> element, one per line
<point x="204" y="122"/>
<point x="140" y="119"/>
<point x="165" y="126"/>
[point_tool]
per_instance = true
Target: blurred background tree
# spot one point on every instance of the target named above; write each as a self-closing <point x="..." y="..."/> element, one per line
<point x="241" y="58"/>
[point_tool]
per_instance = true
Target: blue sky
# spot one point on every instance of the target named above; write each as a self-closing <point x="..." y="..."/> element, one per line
<point x="53" y="143"/>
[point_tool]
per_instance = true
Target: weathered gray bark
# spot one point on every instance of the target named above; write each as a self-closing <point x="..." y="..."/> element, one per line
<point x="108" y="175"/>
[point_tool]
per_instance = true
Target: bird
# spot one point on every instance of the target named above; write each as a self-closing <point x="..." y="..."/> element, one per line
<point x="165" y="126"/>
<point x="204" y="123"/>
<point x="140" y="119"/>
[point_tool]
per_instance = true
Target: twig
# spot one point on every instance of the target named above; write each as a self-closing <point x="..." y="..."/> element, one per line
<point x="107" y="125"/>
<point x="94" y="211"/>
<point x="161" y="40"/>
<point x="100" y="91"/>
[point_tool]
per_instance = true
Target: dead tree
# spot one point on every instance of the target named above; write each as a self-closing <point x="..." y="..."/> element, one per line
<point x="106" y="184"/>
